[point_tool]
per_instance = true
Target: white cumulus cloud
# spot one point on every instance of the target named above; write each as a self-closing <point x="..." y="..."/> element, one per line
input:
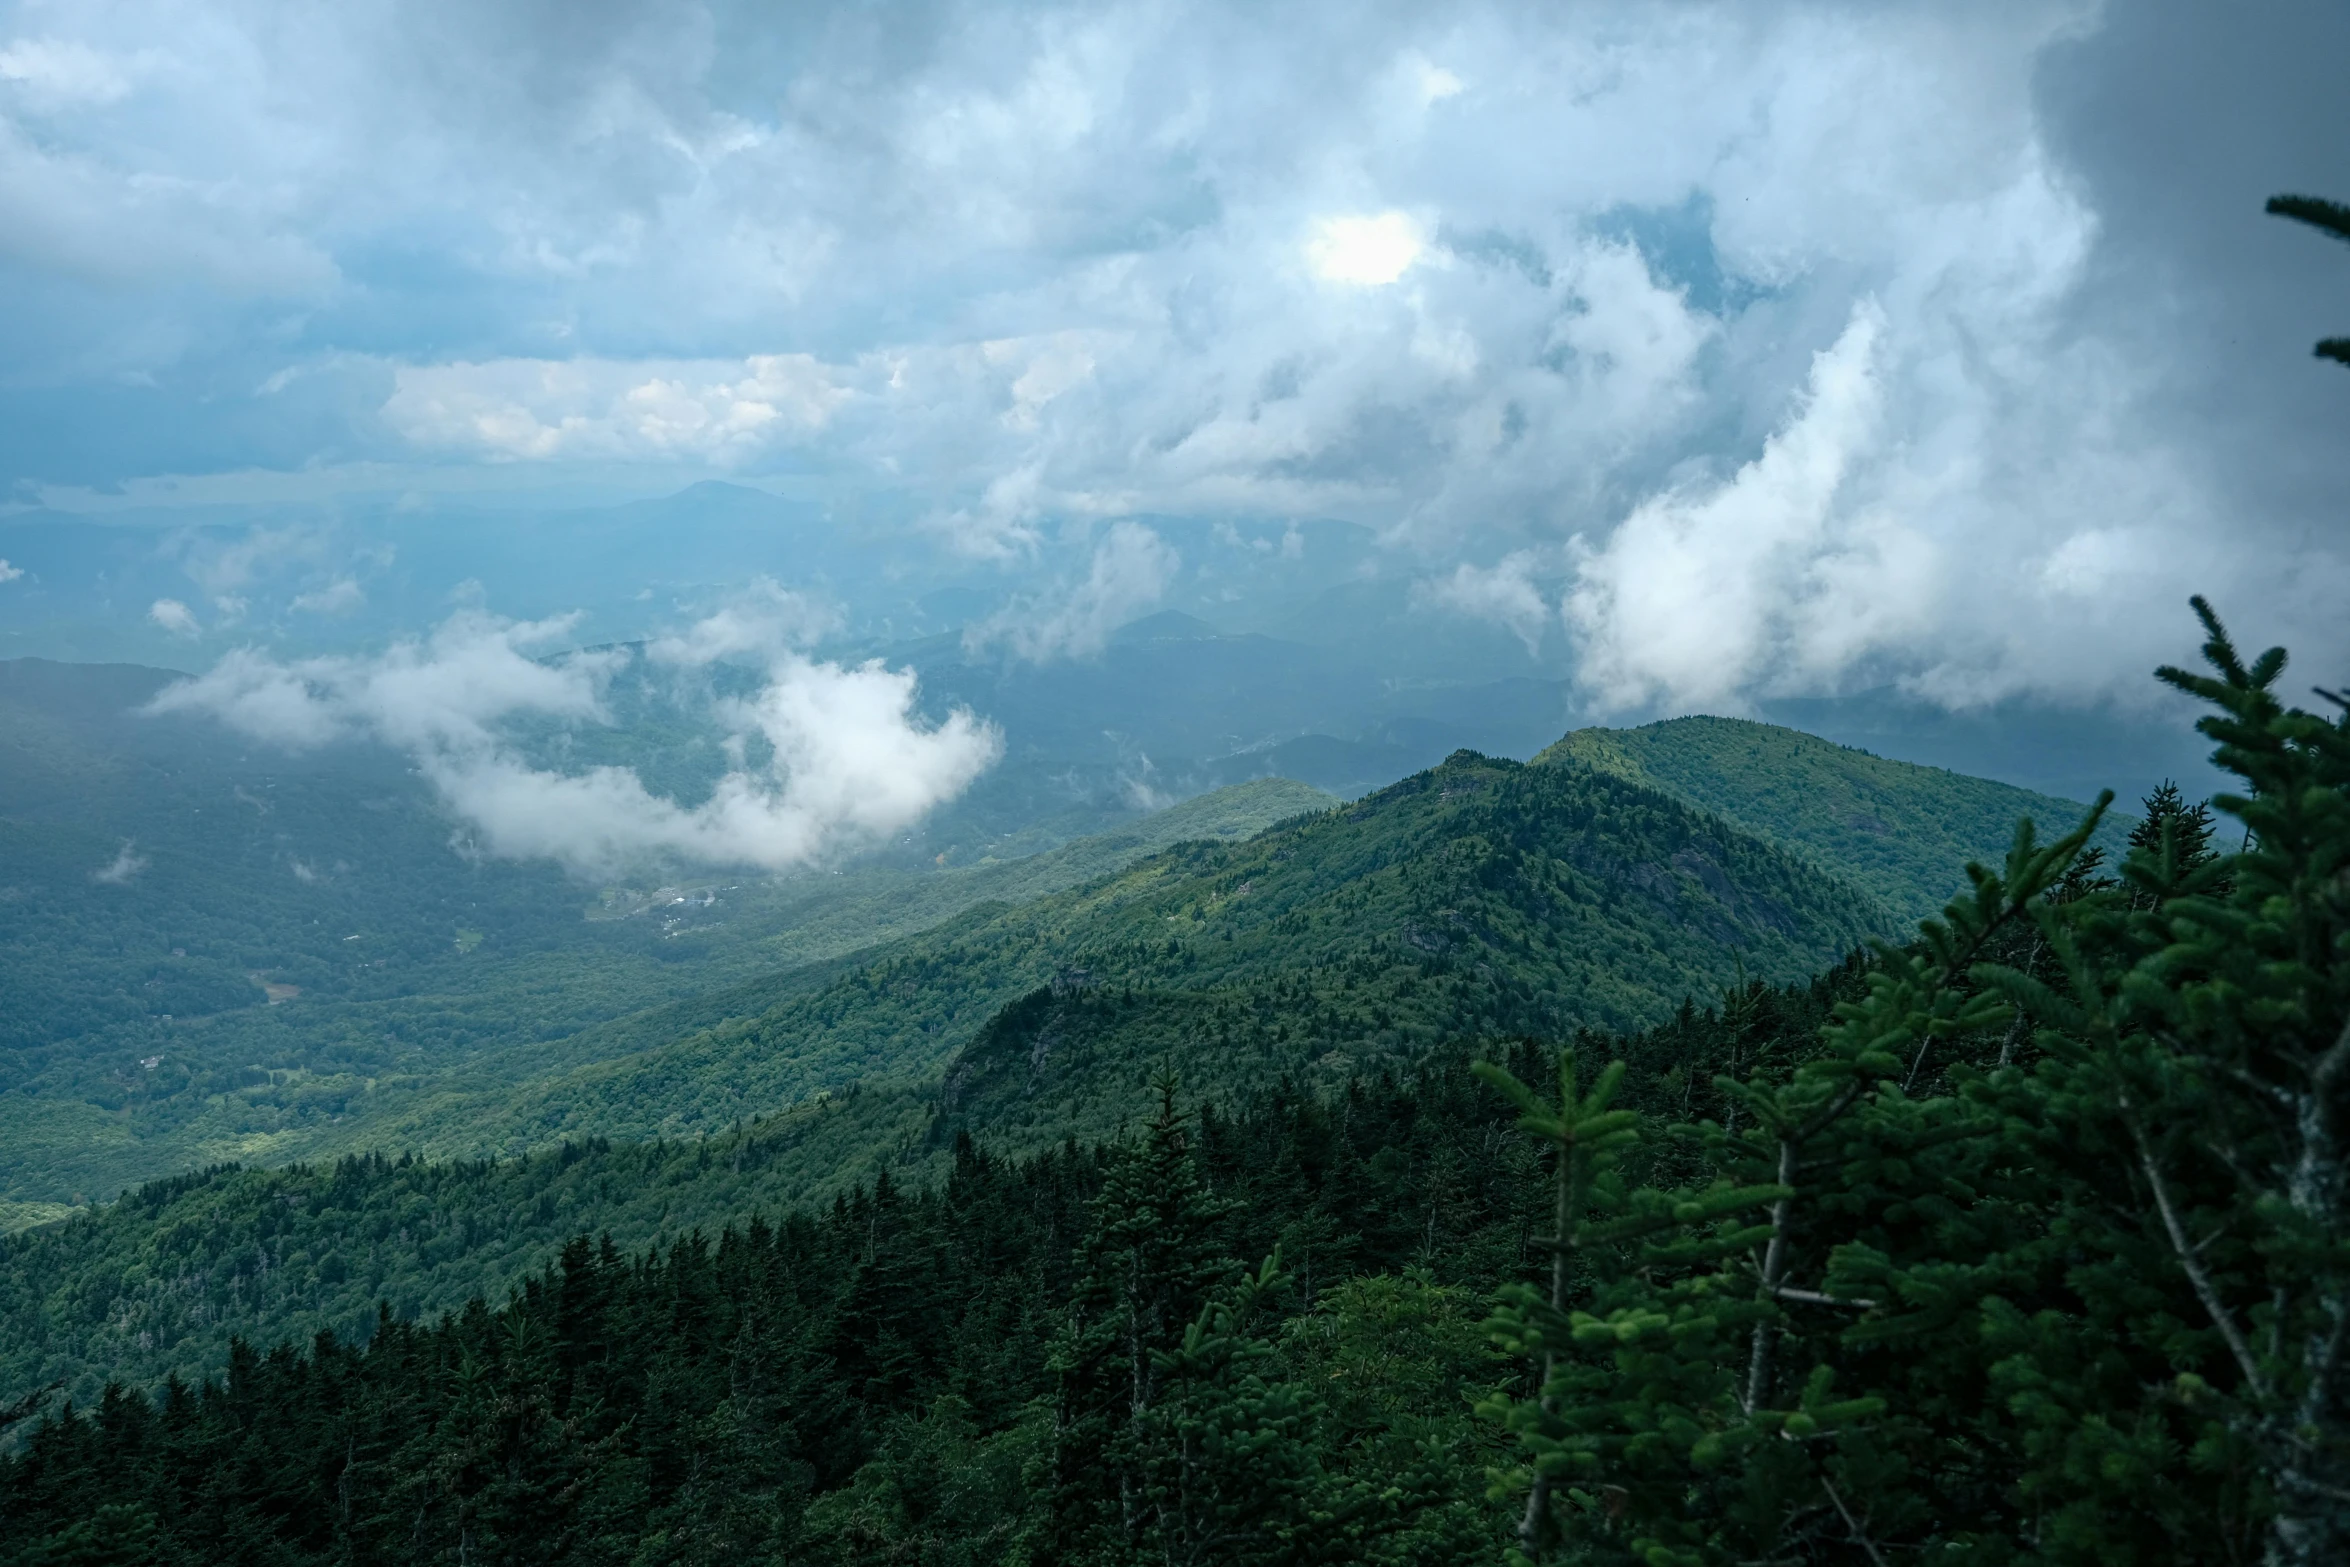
<point x="1704" y="591"/>
<point x="851" y="760"/>
<point x="1483" y="278"/>
<point x="705" y="410"/>
<point x="51" y="74"/>
<point x="174" y="617"/>
<point x="338" y="597"/>
<point x="1505" y="591"/>
<point x="1130" y="571"/>
<point x="1365" y="250"/>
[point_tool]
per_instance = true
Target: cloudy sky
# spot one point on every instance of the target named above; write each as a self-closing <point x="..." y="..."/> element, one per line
<point x="1747" y="351"/>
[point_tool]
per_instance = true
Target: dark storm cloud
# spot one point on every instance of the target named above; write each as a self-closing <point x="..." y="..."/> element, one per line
<point x="2181" y="120"/>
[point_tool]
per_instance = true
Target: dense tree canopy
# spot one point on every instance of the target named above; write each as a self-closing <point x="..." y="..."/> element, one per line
<point x="2024" y="1240"/>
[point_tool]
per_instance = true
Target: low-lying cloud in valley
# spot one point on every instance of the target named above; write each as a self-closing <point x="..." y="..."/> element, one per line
<point x="126" y="865"/>
<point x="1129" y="572"/>
<point x="846" y="762"/>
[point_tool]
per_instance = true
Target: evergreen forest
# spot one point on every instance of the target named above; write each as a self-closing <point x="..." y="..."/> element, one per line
<point x="1173" y="785"/>
<point x="2021" y="1240"/>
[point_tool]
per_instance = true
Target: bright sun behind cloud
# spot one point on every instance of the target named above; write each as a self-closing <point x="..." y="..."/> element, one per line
<point x="1367" y="251"/>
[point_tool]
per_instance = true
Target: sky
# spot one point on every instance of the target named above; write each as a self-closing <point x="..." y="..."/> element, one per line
<point x="1718" y="354"/>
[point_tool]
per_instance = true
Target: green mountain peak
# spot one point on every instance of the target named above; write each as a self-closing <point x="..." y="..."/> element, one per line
<point x="1901" y="831"/>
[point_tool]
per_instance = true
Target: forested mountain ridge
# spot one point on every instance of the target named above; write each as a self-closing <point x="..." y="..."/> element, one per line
<point x="135" y="1038"/>
<point x="1993" y="1244"/>
<point x="157" y="1283"/>
<point x="1899" y="830"/>
<point x="158" y="866"/>
<point x="424" y="990"/>
<point x="1481" y="897"/>
<point x="1479" y="900"/>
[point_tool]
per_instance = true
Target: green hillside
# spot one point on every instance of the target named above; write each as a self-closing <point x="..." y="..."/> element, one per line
<point x="157" y="1282"/>
<point x="1481" y="897"/>
<point x="84" y="1113"/>
<point x="1901" y="831"/>
<point x="1904" y="1249"/>
<point x="894" y="1315"/>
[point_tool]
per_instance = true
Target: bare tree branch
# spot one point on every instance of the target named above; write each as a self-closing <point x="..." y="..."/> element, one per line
<point x="1859" y="1535"/>
<point x="2189" y="1259"/>
<point x="1813" y="1298"/>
